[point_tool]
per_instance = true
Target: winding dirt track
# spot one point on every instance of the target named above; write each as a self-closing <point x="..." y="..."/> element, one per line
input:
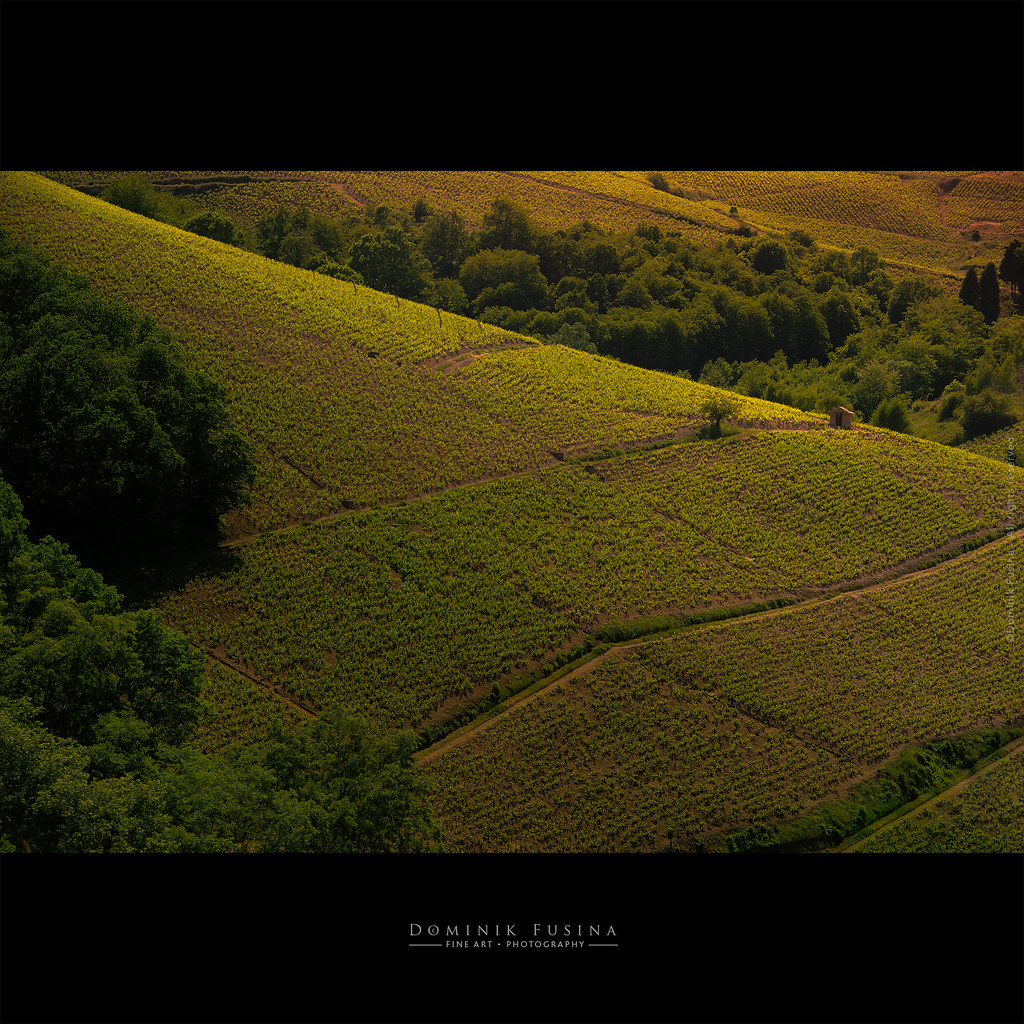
<point x="855" y="589"/>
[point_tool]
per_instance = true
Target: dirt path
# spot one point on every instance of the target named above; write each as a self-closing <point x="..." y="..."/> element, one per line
<point x="307" y="709"/>
<point x="943" y="189"/>
<point x="856" y="589"/>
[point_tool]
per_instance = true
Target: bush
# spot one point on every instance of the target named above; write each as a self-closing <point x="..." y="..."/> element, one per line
<point x="767" y="256"/>
<point x="951" y="400"/>
<point x="211" y="224"/>
<point x="892" y="415"/>
<point x="985" y="413"/>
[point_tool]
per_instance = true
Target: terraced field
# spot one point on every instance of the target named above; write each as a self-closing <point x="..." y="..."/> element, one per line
<point x="445" y="511"/>
<point x="681" y="740"/>
<point x="914" y="220"/>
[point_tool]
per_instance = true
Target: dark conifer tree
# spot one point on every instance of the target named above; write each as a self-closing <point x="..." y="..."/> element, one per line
<point x="1011" y="267"/>
<point x="988" y="294"/>
<point x="969" y="289"/>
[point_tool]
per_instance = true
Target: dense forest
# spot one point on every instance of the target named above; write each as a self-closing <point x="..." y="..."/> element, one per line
<point x="97" y="706"/>
<point x="106" y="437"/>
<point x="773" y="317"/>
<point x="105" y="434"/>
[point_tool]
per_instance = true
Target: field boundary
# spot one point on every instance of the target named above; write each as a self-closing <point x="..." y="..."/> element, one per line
<point x="1013" y="749"/>
<point x="955" y="550"/>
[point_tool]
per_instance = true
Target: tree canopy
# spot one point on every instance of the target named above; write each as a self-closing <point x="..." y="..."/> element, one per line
<point x="104" y="429"/>
<point x="98" y="706"/>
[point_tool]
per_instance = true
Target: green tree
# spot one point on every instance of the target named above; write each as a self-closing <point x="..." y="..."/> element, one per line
<point x="1011" y="267"/>
<point x="388" y="262"/>
<point x="985" y="413"/>
<point x="988" y="294"/>
<point x="212" y="224"/>
<point x="573" y="336"/>
<point x="634" y="294"/>
<point x="504" y="277"/>
<point x="892" y="414"/>
<point x="104" y="431"/>
<point x="840" y="316"/>
<point x="718" y="374"/>
<point x="357" y="783"/>
<point x="507" y="225"/>
<point x="133" y="192"/>
<point x="445" y="243"/>
<point x="719" y="405"/>
<point x="446" y="293"/>
<point x="905" y="293"/>
<point x="876" y="382"/>
<point x="969" y="293"/>
<point x="809" y="338"/>
<point x="768" y="255"/>
<point x="600" y="257"/>
<point x="270" y="232"/>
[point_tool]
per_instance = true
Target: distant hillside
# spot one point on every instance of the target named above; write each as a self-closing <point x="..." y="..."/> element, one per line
<point x="914" y="220"/>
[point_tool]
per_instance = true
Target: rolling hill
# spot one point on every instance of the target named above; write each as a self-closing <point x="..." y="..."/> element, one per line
<point x="519" y="549"/>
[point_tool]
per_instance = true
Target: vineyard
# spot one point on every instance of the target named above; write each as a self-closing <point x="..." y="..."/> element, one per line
<point x="447" y="512"/>
<point x="915" y="221"/>
<point x="318" y="370"/>
<point x="737" y="724"/>
<point x="409" y="610"/>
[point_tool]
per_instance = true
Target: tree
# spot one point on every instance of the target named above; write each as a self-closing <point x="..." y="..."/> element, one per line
<point x="70" y="651"/>
<point x="270" y="232"/>
<point x="1011" y="267"/>
<point x="212" y="224"/>
<point x="988" y="294"/>
<point x="905" y="293"/>
<point x="634" y="294"/>
<point x="840" y="316"/>
<point x="768" y="255"/>
<point x="719" y="405"/>
<point x="573" y="336"/>
<point x="969" y="288"/>
<point x="600" y="257"/>
<point x="892" y="414"/>
<point x="876" y="382"/>
<point x="985" y="413"/>
<point x="445" y="243"/>
<point x="133" y="192"/>
<point x="504" y="277"/>
<point x="446" y="293"/>
<point x="388" y="262"/>
<point x="105" y="433"/>
<point x="507" y="225"/>
<point x="357" y="784"/>
<point x="718" y="374"/>
<point x="809" y="338"/>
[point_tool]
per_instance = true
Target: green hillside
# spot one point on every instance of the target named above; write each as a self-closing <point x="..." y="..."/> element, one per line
<point x="447" y="513"/>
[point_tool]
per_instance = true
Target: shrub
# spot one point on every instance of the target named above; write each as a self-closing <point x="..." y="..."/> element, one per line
<point x="985" y="413"/>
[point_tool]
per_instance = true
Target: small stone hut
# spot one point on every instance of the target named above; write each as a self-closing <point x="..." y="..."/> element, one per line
<point x="840" y="418"/>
